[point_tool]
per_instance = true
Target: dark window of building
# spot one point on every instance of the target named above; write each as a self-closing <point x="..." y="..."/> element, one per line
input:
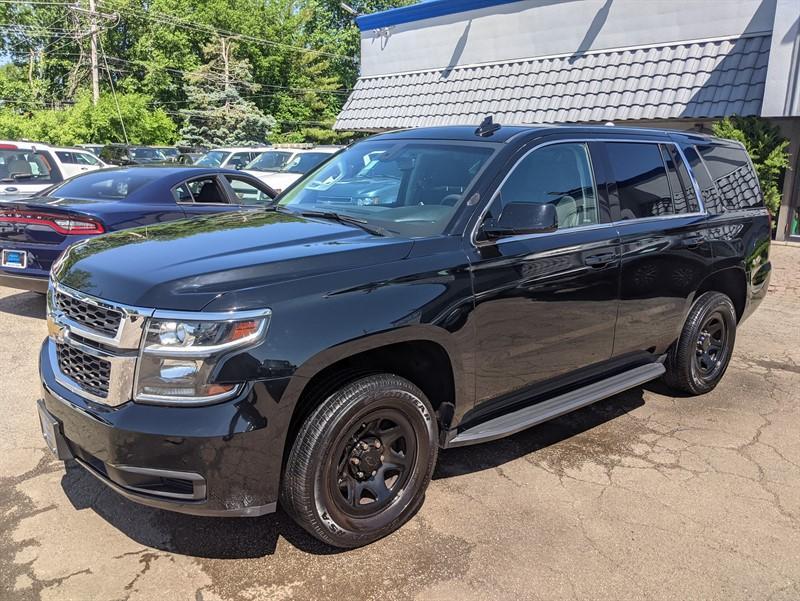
<point x="642" y="184"/>
<point x="733" y="175"/>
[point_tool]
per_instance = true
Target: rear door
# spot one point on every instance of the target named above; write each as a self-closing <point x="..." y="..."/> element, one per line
<point x="546" y="304"/>
<point x="666" y="250"/>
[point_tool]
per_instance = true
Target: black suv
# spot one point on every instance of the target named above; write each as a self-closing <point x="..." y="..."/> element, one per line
<point x="322" y="351"/>
<point x="124" y="155"/>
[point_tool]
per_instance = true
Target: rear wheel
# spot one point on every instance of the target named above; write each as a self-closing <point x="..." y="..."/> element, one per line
<point x="361" y="462"/>
<point x="698" y="360"/>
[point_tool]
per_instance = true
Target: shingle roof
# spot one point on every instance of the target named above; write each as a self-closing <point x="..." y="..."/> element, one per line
<point x="681" y="80"/>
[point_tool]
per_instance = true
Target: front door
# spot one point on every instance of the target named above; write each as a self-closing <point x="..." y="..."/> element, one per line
<point x="546" y="304"/>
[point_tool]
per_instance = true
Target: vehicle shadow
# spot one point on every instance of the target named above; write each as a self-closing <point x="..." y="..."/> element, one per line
<point x="242" y="538"/>
<point x="24" y="304"/>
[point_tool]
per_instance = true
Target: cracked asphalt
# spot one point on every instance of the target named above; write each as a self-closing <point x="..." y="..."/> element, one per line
<point x="643" y="496"/>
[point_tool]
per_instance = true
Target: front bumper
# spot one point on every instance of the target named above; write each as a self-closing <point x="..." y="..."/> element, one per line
<point x="218" y="460"/>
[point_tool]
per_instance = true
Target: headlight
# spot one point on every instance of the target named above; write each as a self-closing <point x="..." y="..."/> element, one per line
<point x="181" y="351"/>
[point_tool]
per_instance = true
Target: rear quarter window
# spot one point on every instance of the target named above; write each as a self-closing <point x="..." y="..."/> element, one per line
<point x="733" y="176"/>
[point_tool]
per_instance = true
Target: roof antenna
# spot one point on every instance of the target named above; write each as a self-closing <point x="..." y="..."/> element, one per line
<point x="487" y="127"/>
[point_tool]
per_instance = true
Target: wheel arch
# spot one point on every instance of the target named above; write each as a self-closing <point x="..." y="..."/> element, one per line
<point x="731" y="281"/>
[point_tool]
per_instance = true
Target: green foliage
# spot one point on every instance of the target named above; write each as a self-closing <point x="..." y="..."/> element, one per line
<point x="300" y="60"/>
<point x="766" y="147"/>
<point x="84" y="121"/>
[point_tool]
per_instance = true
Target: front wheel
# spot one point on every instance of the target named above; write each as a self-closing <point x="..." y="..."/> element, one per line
<point x="699" y="358"/>
<point x="361" y="462"/>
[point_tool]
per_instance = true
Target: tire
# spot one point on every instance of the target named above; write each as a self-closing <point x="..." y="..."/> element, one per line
<point x="361" y="462"/>
<point x="698" y="359"/>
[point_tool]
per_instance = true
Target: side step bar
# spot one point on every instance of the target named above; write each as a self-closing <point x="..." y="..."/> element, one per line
<point x="532" y="415"/>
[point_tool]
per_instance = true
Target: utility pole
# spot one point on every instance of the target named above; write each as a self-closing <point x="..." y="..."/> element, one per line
<point x="93" y="44"/>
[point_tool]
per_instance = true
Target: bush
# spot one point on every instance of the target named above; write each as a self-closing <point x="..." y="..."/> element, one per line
<point x="766" y="147"/>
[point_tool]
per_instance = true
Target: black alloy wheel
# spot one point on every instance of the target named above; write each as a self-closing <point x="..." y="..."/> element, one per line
<point x="361" y="462"/>
<point x="698" y="359"/>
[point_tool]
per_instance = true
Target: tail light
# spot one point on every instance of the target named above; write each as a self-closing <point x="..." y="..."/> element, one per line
<point x="68" y="225"/>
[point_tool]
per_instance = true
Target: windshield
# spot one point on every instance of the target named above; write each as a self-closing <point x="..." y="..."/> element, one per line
<point x="271" y="160"/>
<point x="102" y="185"/>
<point x="411" y="188"/>
<point x="147" y="153"/>
<point x="25" y="166"/>
<point x="169" y="152"/>
<point x="212" y="159"/>
<point x="305" y="162"/>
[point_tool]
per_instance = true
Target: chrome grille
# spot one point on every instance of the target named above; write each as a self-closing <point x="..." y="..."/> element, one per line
<point x="94" y="317"/>
<point x="89" y="372"/>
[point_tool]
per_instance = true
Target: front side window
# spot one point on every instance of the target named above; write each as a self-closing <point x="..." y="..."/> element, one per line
<point x="147" y="154"/>
<point x="305" y="162"/>
<point x="213" y="158"/>
<point x="247" y="192"/>
<point x="560" y="175"/>
<point x="84" y="158"/>
<point x="642" y="183"/>
<point x="271" y="160"/>
<point x="405" y="187"/>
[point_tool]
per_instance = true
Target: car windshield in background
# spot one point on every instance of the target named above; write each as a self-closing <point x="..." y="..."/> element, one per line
<point x="305" y="162"/>
<point x="411" y="188"/>
<point x="24" y="166"/>
<point x="271" y="160"/>
<point x="150" y="154"/>
<point x="102" y="185"/>
<point x="212" y="159"/>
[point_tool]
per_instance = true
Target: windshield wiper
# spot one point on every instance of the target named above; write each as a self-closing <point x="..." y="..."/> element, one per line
<point x="347" y="220"/>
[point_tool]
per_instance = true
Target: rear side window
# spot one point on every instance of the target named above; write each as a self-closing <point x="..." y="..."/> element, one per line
<point x="735" y="180"/>
<point x="26" y="167"/>
<point x="684" y="199"/>
<point x="65" y="157"/>
<point x="642" y="183"/>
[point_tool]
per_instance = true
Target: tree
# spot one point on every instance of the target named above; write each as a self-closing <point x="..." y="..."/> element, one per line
<point x="217" y="114"/>
<point x="766" y="147"/>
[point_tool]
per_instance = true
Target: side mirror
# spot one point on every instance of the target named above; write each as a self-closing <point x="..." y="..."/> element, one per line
<point x="521" y="218"/>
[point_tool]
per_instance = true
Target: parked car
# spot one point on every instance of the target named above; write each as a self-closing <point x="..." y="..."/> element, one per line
<point x="321" y="354"/>
<point x="281" y="168"/>
<point x="35" y="231"/>
<point x="170" y="153"/>
<point x="230" y="158"/>
<point x="27" y="168"/>
<point x="93" y="148"/>
<point x="74" y="161"/>
<point x="124" y="154"/>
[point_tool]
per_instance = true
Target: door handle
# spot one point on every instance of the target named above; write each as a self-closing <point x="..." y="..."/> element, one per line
<point x="692" y="241"/>
<point x="600" y="260"/>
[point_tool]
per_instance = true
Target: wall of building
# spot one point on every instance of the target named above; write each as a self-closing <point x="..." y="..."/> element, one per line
<point x="533" y="28"/>
<point x="782" y="91"/>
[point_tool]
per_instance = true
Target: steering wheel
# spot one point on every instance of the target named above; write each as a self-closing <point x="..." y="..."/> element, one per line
<point x="451" y="199"/>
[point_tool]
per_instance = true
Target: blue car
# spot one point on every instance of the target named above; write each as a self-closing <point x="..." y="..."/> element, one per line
<point x="35" y="231"/>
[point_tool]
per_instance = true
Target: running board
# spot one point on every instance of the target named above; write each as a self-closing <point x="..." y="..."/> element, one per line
<point x="524" y="418"/>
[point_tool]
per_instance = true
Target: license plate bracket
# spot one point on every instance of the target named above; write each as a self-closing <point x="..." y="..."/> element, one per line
<point x="16" y="259"/>
<point x="51" y="431"/>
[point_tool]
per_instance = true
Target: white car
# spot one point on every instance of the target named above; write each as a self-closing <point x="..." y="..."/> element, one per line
<point x="279" y="168"/>
<point x="230" y="158"/>
<point x="29" y="167"/>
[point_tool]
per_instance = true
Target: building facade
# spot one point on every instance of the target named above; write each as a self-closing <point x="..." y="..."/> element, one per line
<point x="658" y="63"/>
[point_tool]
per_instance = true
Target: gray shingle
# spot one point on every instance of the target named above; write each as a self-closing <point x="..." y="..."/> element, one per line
<point x="705" y="79"/>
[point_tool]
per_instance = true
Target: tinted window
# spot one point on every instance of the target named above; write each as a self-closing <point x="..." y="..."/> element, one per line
<point x="560" y="175"/>
<point x="65" y="157"/>
<point x="641" y="177"/>
<point x="690" y="203"/>
<point x="735" y="179"/>
<point x="102" y="185"/>
<point x="25" y="166"/>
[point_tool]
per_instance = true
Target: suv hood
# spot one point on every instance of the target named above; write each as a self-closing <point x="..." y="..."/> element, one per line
<point x="183" y="265"/>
